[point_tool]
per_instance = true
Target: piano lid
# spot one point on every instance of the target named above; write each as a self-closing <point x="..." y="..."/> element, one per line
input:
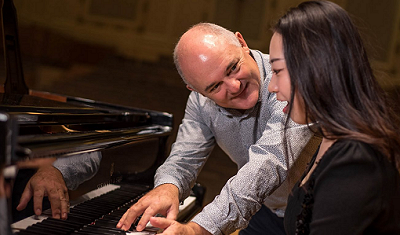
<point x="57" y="125"/>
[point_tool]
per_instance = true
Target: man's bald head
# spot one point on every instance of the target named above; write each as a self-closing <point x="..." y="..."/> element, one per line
<point x="202" y="36"/>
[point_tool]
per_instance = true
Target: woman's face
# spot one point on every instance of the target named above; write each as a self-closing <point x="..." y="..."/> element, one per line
<point x="280" y="81"/>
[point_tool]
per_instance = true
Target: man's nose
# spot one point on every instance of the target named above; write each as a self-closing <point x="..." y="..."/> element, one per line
<point x="234" y="85"/>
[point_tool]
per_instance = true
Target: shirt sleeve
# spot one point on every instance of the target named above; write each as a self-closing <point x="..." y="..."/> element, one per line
<point x="192" y="147"/>
<point x="78" y="168"/>
<point x="244" y="193"/>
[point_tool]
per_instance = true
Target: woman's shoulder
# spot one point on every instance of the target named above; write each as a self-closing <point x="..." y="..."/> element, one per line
<point x="353" y="150"/>
<point x="353" y="157"/>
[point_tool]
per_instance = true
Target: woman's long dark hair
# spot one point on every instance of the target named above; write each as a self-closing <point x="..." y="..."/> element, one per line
<point x="329" y="67"/>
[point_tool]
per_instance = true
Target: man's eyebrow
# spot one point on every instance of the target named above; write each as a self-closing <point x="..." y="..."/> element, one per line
<point x="230" y="65"/>
<point x="209" y="87"/>
<point x="274" y="59"/>
<point x="226" y="70"/>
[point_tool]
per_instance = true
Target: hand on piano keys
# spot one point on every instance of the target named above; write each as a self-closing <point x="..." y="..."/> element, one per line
<point x="97" y="211"/>
<point x="47" y="181"/>
<point x="163" y="199"/>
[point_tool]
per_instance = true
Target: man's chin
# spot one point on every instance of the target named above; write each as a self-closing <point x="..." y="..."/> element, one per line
<point x="246" y="105"/>
<point x="250" y="102"/>
<point x="241" y="103"/>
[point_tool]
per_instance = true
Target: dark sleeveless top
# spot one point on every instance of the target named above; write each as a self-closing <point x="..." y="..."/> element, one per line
<point x="353" y="190"/>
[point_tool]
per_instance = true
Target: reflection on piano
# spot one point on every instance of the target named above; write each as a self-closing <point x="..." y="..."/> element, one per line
<point x="132" y="143"/>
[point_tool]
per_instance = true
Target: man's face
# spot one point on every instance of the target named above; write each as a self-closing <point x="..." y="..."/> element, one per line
<point x="225" y="73"/>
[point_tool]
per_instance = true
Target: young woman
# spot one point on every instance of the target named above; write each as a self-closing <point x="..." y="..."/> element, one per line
<point x="320" y="67"/>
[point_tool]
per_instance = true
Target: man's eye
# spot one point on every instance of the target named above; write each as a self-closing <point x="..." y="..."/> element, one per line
<point x="233" y="68"/>
<point x="215" y="87"/>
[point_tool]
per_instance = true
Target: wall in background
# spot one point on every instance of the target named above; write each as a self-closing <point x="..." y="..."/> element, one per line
<point x="149" y="29"/>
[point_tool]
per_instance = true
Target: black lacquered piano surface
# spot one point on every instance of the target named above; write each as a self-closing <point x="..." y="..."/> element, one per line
<point x="76" y="124"/>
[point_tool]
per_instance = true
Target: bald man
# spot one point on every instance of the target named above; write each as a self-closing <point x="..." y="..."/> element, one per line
<point x="230" y="106"/>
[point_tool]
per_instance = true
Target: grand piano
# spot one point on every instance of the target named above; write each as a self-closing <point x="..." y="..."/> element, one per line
<point x="41" y="125"/>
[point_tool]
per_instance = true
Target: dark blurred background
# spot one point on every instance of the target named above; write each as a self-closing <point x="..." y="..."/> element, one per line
<point x="120" y="51"/>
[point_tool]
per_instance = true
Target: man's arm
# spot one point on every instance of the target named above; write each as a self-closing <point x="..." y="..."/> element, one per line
<point x="79" y="168"/>
<point x="244" y="193"/>
<point x="194" y="143"/>
<point x="178" y="174"/>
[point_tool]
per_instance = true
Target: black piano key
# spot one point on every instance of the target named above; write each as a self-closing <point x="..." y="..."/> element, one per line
<point x="53" y="227"/>
<point x="120" y="212"/>
<point x="111" y="216"/>
<point x="62" y="227"/>
<point x="112" y="228"/>
<point x="44" y="231"/>
<point x="83" y="217"/>
<point x="72" y="224"/>
<point x="107" y="203"/>
<point x="79" y="219"/>
<point x="93" y="209"/>
<point x="102" y="230"/>
<point x="89" y="213"/>
<point x="106" y="223"/>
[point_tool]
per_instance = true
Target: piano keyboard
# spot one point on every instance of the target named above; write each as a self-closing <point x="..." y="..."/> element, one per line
<point x="96" y="212"/>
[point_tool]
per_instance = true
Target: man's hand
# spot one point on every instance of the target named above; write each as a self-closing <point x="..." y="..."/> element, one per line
<point x="174" y="227"/>
<point x="48" y="181"/>
<point x="164" y="200"/>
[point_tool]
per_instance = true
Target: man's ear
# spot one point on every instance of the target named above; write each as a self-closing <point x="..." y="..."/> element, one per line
<point x="192" y="89"/>
<point x="189" y="88"/>
<point x="242" y="41"/>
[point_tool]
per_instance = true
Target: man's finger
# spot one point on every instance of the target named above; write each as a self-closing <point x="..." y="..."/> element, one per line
<point x="129" y="217"/>
<point x="55" y="202"/>
<point x="160" y="222"/>
<point x="144" y="220"/>
<point x="122" y="220"/>
<point x="38" y="195"/>
<point x="25" y="198"/>
<point x="64" y="199"/>
<point x="173" y="213"/>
